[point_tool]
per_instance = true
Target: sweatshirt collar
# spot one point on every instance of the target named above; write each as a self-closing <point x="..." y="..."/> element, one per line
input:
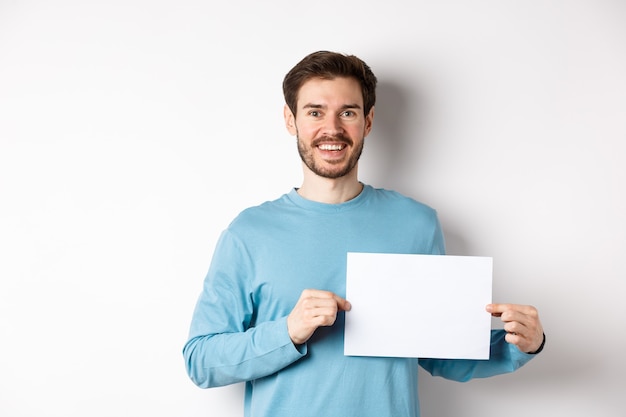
<point x="302" y="202"/>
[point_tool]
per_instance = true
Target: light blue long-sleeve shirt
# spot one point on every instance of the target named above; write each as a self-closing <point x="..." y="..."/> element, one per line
<point x="263" y="261"/>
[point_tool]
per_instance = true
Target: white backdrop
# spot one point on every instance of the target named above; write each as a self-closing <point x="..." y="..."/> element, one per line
<point x="132" y="132"/>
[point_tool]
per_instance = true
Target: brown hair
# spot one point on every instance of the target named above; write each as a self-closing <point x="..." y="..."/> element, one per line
<point x="329" y="65"/>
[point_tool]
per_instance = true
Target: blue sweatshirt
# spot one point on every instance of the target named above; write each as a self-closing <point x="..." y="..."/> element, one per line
<point x="263" y="261"/>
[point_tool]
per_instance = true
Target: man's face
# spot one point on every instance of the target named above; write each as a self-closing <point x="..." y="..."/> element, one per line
<point x="330" y="125"/>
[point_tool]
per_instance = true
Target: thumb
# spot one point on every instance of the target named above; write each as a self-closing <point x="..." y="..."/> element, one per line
<point x="343" y="304"/>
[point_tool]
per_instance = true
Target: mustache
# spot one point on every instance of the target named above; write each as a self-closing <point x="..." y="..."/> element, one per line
<point x="336" y="138"/>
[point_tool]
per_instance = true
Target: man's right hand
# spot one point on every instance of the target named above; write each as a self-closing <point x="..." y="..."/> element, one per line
<point x="315" y="308"/>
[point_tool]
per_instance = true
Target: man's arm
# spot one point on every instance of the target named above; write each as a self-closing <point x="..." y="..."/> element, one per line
<point x="225" y="345"/>
<point x="223" y="358"/>
<point x="508" y="351"/>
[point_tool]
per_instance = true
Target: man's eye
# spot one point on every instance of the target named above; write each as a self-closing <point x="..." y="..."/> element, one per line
<point x="348" y="113"/>
<point x="314" y="113"/>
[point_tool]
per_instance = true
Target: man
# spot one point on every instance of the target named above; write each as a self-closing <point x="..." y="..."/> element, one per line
<point x="272" y="309"/>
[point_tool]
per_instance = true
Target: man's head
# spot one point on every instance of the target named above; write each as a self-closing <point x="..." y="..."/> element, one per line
<point x="329" y="108"/>
<point x="329" y="65"/>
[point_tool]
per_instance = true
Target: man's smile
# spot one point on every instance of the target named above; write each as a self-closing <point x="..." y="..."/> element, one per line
<point x="332" y="146"/>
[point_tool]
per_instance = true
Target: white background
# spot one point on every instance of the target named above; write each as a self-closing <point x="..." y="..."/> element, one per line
<point x="132" y="132"/>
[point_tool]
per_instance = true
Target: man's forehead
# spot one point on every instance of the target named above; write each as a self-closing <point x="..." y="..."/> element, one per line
<point x="339" y="91"/>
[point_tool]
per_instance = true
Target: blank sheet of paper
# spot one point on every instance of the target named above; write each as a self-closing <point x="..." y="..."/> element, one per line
<point x="421" y="306"/>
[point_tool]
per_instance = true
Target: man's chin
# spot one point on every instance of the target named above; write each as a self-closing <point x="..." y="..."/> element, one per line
<point x="333" y="172"/>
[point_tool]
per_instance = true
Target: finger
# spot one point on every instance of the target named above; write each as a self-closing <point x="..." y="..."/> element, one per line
<point x="498" y="309"/>
<point x="314" y="293"/>
<point x="526" y="342"/>
<point x="494" y="309"/>
<point x="330" y="305"/>
<point x="519" y="324"/>
<point x="514" y="339"/>
<point x="515" y="327"/>
<point x="342" y="303"/>
<point x="319" y="306"/>
<point x="322" y="318"/>
<point x="501" y="308"/>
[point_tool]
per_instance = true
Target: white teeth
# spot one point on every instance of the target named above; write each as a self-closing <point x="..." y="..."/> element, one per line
<point x="331" y="147"/>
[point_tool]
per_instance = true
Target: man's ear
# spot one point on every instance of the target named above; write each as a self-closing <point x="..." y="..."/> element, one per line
<point x="290" y="120"/>
<point x="369" y="122"/>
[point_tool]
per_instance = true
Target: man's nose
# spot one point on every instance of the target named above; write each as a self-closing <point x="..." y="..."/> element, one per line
<point x="333" y="126"/>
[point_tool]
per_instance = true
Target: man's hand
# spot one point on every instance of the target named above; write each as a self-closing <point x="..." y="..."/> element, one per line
<point x="521" y="323"/>
<point x="314" y="309"/>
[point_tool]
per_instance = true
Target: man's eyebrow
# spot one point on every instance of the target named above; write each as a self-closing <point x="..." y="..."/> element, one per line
<point x="320" y="106"/>
<point x="312" y="106"/>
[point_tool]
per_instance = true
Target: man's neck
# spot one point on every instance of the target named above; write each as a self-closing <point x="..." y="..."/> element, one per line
<point x="329" y="190"/>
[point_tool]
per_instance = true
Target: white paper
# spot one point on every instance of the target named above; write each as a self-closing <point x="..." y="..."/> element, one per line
<point x="420" y="306"/>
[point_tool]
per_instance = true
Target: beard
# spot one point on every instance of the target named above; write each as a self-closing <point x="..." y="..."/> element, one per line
<point x="337" y="169"/>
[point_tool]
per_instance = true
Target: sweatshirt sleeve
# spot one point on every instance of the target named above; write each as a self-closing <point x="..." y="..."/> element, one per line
<point x="224" y="346"/>
<point x="504" y="358"/>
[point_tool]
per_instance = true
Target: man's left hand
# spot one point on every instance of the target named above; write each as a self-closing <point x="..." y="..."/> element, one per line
<point x="522" y="324"/>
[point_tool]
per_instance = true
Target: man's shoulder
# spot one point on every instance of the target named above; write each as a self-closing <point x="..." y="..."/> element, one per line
<point x="400" y="201"/>
<point x="259" y="213"/>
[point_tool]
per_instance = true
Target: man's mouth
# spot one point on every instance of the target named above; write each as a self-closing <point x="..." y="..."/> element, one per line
<point x="331" y="146"/>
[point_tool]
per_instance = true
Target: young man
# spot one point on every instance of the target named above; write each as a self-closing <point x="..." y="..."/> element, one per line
<point x="272" y="309"/>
